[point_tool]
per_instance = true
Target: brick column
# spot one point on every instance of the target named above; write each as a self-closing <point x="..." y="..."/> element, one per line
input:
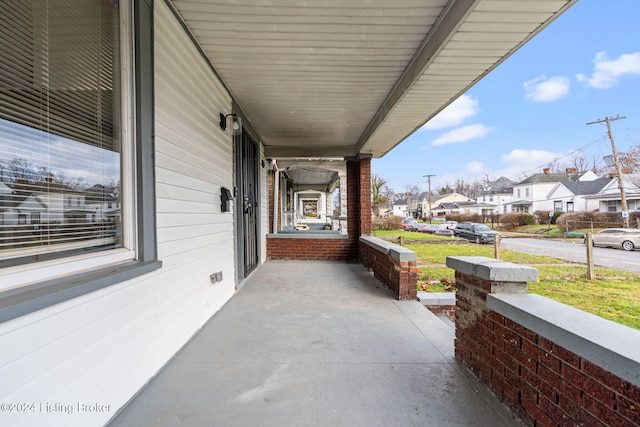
<point x="475" y="278"/>
<point x="353" y="198"/>
<point x="365" y="195"/>
<point x="270" y="190"/>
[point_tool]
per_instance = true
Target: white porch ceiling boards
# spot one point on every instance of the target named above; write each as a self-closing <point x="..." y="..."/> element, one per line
<point x="343" y="77"/>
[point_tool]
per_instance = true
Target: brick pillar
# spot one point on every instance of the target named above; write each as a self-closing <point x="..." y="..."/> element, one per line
<point x="270" y="190"/>
<point x="353" y="198"/>
<point x="365" y="195"/>
<point x="476" y="277"/>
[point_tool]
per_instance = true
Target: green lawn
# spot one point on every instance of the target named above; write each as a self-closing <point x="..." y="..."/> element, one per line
<point x="614" y="295"/>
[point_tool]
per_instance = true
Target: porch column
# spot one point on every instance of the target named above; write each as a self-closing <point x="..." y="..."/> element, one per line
<point x="365" y="194"/>
<point x="359" y="195"/>
<point x="343" y="202"/>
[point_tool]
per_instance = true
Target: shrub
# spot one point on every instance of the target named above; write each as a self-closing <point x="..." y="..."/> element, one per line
<point x="542" y="217"/>
<point x="580" y="220"/>
<point x="512" y="220"/>
<point x="391" y="223"/>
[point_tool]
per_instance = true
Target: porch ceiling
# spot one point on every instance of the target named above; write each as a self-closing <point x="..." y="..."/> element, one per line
<point x="340" y="78"/>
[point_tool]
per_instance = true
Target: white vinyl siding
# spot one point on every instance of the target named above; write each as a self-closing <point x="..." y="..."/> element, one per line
<point x="104" y="346"/>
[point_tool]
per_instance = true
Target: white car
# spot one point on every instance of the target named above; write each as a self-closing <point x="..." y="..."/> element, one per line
<point x="625" y="238"/>
<point x="450" y="225"/>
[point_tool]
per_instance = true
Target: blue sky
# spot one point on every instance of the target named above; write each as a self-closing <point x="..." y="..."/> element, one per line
<point x="534" y="107"/>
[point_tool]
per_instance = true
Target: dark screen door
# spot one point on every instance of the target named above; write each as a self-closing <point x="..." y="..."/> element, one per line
<point x="247" y="203"/>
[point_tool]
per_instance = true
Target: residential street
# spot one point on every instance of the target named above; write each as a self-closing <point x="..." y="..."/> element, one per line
<point x="575" y="252"/>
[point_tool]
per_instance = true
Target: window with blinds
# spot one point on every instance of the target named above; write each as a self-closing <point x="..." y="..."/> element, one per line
<point x="60" y="151"/>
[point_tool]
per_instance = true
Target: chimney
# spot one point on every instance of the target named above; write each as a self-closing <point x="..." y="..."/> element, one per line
<point x="571" y="170"/>
<point x="546" y="171"/>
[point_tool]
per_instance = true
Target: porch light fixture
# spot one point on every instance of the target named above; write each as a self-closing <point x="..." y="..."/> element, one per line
<point x="236" y="123"/>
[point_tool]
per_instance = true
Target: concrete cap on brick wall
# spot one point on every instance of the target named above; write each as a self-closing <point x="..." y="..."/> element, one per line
<point x="492" y="269"/>
<point x="397" y="252"/>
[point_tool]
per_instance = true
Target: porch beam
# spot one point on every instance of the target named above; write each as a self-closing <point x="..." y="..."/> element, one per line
<point x="428" y="51"/>
<point x="278" y="151"/>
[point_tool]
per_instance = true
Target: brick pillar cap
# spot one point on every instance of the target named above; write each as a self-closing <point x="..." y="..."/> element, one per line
<point x="491" y="269"/>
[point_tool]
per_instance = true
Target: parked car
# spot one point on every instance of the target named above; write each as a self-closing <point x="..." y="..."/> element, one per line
<point x="450" y="225"/>
<point x="625" y="238"/>
<point x="475" y="232"/>
<point x="435" y="229"/>
<point x="409" y="222"/>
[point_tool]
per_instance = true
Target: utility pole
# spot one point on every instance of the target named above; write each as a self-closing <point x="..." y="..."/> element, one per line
<point x="429" y="193"/>
<point x="616" y="162"/>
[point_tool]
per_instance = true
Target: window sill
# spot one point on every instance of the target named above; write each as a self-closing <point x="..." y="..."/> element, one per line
<point x="28" y="299"/>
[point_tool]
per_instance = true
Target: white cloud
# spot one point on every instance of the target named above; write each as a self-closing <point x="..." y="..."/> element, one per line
<point x="543" y="89"/>
<point x="463" y="134"/>
<point x="454" y="114"/>
<point x="607" y="71"/>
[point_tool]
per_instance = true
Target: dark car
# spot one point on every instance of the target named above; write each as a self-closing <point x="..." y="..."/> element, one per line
<point x="435" y="229"/>
<point x="475" y="232"/>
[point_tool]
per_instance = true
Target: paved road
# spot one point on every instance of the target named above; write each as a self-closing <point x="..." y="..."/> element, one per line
<point x="575" y="252"/>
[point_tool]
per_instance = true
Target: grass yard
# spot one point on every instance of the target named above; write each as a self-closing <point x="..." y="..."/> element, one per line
<point x="615" y="295"/>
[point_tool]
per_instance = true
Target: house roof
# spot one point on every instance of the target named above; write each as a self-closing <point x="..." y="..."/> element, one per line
<point x="582" y="188"/>
<point x="500" y="186"/>
<point x="552" y="177"/>
<point x="336" y="78"/>
<point x="14" y="200"/>
<point x="520" y="203"/>
<point x="469" y="204"/>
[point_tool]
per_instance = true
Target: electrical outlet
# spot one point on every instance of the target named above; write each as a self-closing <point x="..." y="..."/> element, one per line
<point x="216" y="277"/>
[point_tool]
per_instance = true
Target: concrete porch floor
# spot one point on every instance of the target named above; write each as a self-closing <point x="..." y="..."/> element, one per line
<point x="317" y="344"/>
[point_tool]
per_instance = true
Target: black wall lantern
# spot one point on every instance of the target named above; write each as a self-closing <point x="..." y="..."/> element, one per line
<point x="236" y="123"/>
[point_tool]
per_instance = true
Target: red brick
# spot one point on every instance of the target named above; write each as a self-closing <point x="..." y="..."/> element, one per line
<point x="544" y="389"/>
<point x="520" y="330"/>
<point x="629" y="409"/>
<point x="541" y="419"/>
<point x="573" y="375"/>
<point x="606" y="415"/>
<point x="560" y="352"/>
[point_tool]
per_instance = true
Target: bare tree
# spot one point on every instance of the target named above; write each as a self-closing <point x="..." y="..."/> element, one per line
<point x="377" y="198"/>
<point x="411" y="190"/>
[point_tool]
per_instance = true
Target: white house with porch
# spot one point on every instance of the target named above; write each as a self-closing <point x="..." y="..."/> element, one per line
<point x="187" y="104"/>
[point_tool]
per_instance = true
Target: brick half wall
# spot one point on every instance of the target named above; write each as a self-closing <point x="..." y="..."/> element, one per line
<point x="395" y="266"/>
<point x="339" y="248"/>
<point x="554" y="365"/>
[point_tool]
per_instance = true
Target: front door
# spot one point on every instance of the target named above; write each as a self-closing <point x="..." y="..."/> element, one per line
<point x="247" y="204"/>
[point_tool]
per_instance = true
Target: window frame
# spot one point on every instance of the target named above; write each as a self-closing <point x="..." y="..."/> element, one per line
<point x="79" y="275"/>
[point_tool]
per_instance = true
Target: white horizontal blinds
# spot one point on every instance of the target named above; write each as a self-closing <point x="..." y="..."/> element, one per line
<point x="59" y="143"/>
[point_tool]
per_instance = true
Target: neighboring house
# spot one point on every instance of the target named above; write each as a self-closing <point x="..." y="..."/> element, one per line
<point x="574" y="196"/>
<point x="191" y="104"/>
<point x="400" y="208"/>
<point x="498" y="193"/>
<point x="64" y="204"/>
<point x="21" y="209"/>
<point x="462" y="208"/>
<point x="530" y="194"/>
<point x="418" y="206"/>
<point x="608" y="199"/>
<point x="102" y="204"/>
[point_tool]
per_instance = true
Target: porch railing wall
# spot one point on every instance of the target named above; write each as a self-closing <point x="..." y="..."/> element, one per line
<point x="551" y="363"/>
